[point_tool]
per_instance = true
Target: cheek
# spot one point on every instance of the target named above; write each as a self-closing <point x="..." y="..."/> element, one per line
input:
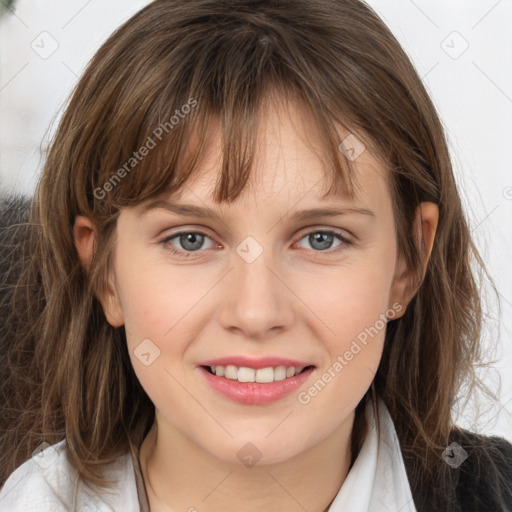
<point x="352" y="330"/>
<point x="352" y="300"/>
<point x="350" y="308"/>
<point x="158" y="303"/>
<point x="156" y="299"/>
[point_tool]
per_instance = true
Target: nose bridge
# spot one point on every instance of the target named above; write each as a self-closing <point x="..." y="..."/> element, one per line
<point x="257" y="300"/>
<point x="255" y="284"/>
<point x="252" y="266"/>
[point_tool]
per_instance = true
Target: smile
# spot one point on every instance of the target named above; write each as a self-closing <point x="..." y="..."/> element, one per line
<point x="255" y="382"/>
<point x="261" y="375"/>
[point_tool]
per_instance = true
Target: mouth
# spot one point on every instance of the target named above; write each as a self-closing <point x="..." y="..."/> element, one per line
<point x="255" y="386"/>
<point x="260" y="375"/>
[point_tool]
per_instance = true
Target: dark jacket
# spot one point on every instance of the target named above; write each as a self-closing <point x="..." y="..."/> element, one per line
<point x="478" y="483"/>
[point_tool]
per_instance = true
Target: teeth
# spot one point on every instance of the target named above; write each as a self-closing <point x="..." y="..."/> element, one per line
<point x="246" y="374"/>
<point x="231" y="372"/>
<point x="280" y="373"/>
<point x="261" y="375"/>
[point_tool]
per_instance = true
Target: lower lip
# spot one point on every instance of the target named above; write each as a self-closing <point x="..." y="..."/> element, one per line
<point x="255" y="393"/>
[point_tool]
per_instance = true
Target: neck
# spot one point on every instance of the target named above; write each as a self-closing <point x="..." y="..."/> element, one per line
<point x="180" y="475"/>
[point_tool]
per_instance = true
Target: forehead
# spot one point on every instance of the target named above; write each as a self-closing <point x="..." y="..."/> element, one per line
<point x="290" y="161"/>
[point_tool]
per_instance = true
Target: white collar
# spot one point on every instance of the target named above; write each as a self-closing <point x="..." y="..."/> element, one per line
<point x="377" y="481"/>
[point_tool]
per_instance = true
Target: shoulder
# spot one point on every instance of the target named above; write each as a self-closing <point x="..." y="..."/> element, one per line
<point x="475" y="475"/>
<point x="41" y="482"/>
<point x="485" y="471"/>
<point x="48" y="483"/>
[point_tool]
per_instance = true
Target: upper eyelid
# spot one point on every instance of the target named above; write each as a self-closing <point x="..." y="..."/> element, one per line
<point x="301" y="234"/>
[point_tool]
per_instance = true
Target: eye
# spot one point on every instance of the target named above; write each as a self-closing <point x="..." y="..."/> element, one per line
<point x="322" y="240"/>
<point x="190" y="241"/>
<point x="194" y="241"/>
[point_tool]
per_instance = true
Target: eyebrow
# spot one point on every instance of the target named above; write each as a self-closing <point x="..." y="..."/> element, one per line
<point x="190" y="210"/>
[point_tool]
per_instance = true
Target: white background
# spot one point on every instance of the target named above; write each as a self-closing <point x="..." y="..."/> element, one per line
<point x="471" y="87"/>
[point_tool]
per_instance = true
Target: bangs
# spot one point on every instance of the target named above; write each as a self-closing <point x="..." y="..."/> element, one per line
<point x="169" y="149"/>
<point x="163" y="122"/>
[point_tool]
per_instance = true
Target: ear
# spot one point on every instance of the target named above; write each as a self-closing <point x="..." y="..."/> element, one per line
<point x="425" y="225"/>
<point x="85" y="236"/>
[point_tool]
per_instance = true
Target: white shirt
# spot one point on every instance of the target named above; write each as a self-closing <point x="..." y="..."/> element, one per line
<point x="377" y="482"/>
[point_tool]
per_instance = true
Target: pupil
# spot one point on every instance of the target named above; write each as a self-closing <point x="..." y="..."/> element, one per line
<point x="191" y="238"/>
<point x="325" y="240"/>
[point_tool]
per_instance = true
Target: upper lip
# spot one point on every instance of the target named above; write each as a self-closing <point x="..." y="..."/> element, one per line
<point x="249" y="362"/>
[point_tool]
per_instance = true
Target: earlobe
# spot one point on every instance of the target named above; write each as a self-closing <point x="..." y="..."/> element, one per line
<point x="425" y="225"/>
<point x="112" y="308"/>
<point x="401" y="289"/>
<point x="85" y="236"/>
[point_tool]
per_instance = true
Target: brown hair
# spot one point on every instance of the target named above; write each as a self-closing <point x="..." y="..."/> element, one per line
<point x="71" y="374"/>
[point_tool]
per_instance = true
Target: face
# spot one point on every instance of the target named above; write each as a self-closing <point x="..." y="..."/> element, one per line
<point x="261" y="294"/>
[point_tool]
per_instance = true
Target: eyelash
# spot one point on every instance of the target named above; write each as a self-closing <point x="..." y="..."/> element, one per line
<point x="339" y="236"/>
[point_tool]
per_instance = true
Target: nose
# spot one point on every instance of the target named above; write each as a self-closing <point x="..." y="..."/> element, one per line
<point x="257" y="302"/>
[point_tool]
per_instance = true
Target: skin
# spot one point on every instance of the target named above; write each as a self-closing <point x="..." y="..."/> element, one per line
<point x="295" y="300"/>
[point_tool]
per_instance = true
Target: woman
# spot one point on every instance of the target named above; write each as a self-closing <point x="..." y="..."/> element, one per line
<point x="294" y="358"/>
